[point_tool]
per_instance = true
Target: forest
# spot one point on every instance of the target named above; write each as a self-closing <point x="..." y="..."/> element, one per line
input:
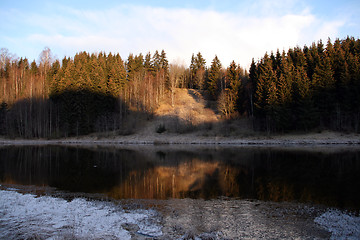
<point x="315" y="87"/>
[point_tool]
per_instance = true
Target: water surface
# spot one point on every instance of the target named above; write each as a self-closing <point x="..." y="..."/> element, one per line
<point x="243" y="192"/>
<point x="323" y="175"/>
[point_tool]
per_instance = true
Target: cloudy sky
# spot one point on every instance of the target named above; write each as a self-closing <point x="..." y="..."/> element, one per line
<point x="231" y="29"/>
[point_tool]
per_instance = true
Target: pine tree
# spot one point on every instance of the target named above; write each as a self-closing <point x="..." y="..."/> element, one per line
<point x="354" y="93"/>
<point x="324" y="88"/>
<point x="156" y="61"/>
<point x="192" y="71"/>
<point x="303" y="106"/>
<point x="284" y="94"/>
<point x="233" y="76"/>
<point x="342" y="87"/>
<point x="284" y="82"/>
<point x="130" y="67"/>
<point x="228" y="99"/>
<point x="148" y="64"/>
<point x="197" y="71"/>
<point x="214" y="78"/>
<point x="98" y="77"/>
<point x="164" y="67"/>
<point x="266" y="79"/>
<point x="253" y="76"/>
<point x="52" y="77"/>
<point x="117" y="77"/>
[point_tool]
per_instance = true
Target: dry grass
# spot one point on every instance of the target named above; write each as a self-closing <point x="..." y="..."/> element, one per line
<point x="189" y="105"/>
<point x="189" y="113"/>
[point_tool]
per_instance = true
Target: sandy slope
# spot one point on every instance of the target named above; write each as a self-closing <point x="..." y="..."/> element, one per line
<point x="189" y="105"/>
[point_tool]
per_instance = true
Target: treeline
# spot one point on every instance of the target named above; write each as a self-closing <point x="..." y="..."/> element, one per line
<point x="98" y="92"/>
<point x="317" y="86"/>
<point x="301" y="89"/>
<point x="88" y="93"/>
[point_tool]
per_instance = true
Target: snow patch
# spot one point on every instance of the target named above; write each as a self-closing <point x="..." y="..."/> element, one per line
<point x="24" y="216"/>
<point x="341" y="225"/>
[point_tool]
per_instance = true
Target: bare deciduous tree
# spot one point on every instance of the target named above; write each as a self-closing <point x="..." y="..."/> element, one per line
<point x="177" y="74"/>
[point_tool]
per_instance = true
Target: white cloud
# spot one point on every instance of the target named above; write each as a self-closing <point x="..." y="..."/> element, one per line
<point x="180" y="32"/>
<point x="329" y="29"/>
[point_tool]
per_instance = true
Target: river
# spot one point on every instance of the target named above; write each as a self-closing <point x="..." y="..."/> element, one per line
<point x="179" y="192"/>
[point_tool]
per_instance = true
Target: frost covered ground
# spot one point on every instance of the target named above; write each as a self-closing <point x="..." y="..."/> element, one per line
<point x="150" y="137"/>
<point x="341" y="225"/>
<point x="26" y="216"/>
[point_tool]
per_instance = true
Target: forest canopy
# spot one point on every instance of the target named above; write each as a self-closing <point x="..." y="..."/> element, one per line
<point x="301" y="89"/>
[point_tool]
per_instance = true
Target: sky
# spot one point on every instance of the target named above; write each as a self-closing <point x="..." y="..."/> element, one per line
<point x="231" y="29"/>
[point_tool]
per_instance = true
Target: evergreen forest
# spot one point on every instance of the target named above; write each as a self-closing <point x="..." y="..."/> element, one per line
<point x="314" y="87"/>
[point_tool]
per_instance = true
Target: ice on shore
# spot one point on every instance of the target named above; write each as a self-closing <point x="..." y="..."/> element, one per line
<point x="24" y="216"/>
<point x="341" y="225"/>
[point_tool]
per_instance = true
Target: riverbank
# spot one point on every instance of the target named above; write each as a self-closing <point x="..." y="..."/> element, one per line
<point x="323" y="138"/>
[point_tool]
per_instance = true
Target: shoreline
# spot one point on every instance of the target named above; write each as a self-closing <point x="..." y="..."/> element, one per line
<point x="327" y="138"/>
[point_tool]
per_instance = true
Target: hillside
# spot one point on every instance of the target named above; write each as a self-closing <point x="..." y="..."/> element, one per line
<point x="189" y="112"/>
<point x="190" y="106"/>
<point x="193" y="119"/>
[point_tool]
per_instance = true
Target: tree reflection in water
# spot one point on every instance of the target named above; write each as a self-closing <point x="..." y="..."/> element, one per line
<point x="324" y="176"/>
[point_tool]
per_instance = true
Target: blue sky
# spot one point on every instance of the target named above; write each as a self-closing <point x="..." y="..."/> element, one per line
<point x="233" y="30"/>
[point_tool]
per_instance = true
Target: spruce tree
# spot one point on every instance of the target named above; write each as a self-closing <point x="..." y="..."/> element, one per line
<point x="324" y="88"/>
<point x="284" y="93"/>
<point x="148" y="64"/>
<point x="214" y="78"/>
<point x="266" y="79"/>
<point x="197" y="71"/>
<point x="233" y="76"/>
<point x="304" y="112"/>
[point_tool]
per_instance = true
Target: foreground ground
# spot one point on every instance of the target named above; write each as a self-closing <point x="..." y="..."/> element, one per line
<point x="27" y="216"/>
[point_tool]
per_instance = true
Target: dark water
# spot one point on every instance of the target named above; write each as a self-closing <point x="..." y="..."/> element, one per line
<point x="324" y="176"/>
